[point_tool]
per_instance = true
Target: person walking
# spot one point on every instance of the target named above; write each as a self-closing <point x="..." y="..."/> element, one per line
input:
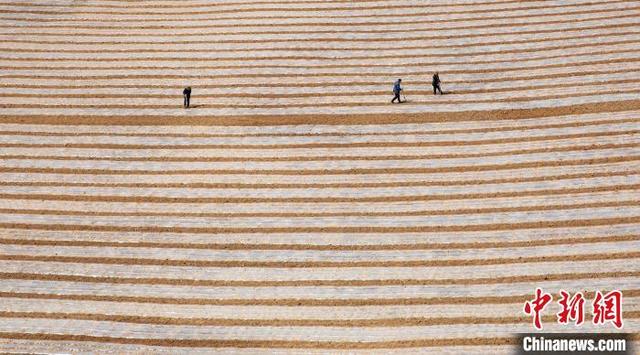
<point x="187" y="96"/>
<point x="436" y="84"/>
<point x="397" y="88"/>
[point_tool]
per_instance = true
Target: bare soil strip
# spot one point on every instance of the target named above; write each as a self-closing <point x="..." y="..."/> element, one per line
<point x="355" y="247"/>
<point x="330" y="39"/>
<point x="392" y="322"/>
<point x="310" y="9"/>
<point x="129" y="4"/>
<point x="324" y="185"/>
<point x="337" y="119"/>
<point x="337" y="133"/>
<point x="267" y="344"/>
<point x="328" y="158"/>
<point x="269" y="18"/>
<point x="309" y="31"/>
<point x="381" y="143"/>
<point x="303" y="283"/>
<point x="328" y="264"/>
<point x="328" y="214"/>
<point x="310" y="302"/>
<point x="50" y="25"/>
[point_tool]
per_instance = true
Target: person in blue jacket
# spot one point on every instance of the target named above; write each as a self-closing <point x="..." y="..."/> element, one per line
<point x="397" y="88"/>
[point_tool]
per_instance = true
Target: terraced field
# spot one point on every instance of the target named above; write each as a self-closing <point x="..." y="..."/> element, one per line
<point x="294" y="209"/>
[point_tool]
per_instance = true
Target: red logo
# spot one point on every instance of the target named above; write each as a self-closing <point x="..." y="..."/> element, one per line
<point x="606" y="308"/>
<point x="536" y="306"/>
<point x="572" y="308"/>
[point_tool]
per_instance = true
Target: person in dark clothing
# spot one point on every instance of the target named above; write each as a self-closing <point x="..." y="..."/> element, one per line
<point x="187" y="96"/>
<point x="397" y="88"/>
<point x="436" y="84"/>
